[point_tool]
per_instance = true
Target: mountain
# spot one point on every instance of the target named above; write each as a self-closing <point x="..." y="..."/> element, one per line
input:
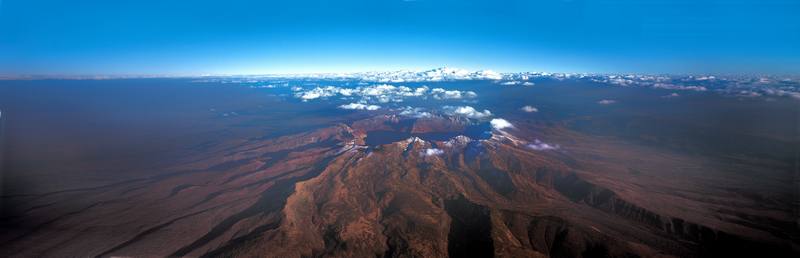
<point x="389" y="186"/>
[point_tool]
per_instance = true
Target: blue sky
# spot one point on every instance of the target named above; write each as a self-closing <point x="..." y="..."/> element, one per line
<point x="91" y="37"/>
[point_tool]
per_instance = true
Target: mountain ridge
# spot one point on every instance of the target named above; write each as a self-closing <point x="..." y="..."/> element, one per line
<point x="327" y="193"/>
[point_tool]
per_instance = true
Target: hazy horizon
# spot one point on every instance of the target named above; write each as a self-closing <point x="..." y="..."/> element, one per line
<point x="302" y="74"/>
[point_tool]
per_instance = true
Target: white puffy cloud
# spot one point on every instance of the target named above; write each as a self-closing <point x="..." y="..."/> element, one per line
<point x="318" y="92"/>
<point x="439" y="93"/>
<point x="499" y="123"/>
<point x="528" y="84"/>
<point x="606" y="102"/>
<point x="414" y="112"/>
<point x="487" y="75"/>
<point x="310" y="95"/>
<point x="529" y="109"/>
<point x="432" y="152"/>
<point x="542" y="146"/>
<point x="346" y="92"/>
<point x="467" y="111"/>
<point x="621" y="81"/>
<point x="359" y="106"/>
<point x="377" y="90"/>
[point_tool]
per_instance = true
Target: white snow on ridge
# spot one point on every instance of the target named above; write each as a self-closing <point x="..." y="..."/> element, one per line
<point x="432" y="152"/>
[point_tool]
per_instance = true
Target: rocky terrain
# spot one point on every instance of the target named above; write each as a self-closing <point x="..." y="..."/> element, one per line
<point x="424" y="189"/>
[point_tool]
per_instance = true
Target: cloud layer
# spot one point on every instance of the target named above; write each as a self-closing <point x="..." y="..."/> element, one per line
<point x="382" y="93"/>
<point x="359" y="106"/>
<point x="739" y="86"/>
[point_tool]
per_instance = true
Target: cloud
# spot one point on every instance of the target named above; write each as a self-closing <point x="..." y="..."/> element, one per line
<point x="747" y="93"/>
<point x="467" y="111"/>
<point x="382" y="93"/>
<point x="529" y="109"/>
<point x="542" y="146"/>
<point x="782" y="93"/>
<point x="227" y="114"/>
<point x="621" y="81"/>
<point x="499" y="123"/>
<point x="606" y="102"/>
<point x="656" y="82"/>
<point x="528" y="84"/>
<point x="318" y="92"/>
<point x="359" y="106"/>
<point x="671" y="95"/>
<point x="768" y="87"/>
<point x="432" y="152"/>
<point x="669" y="86"/>
<point x="268" y="86"/>
<point x="439" y="93"/>
<point x="414" y="112"/>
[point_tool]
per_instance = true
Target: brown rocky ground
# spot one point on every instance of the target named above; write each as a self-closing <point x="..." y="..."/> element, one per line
<point x="325" y="193"/>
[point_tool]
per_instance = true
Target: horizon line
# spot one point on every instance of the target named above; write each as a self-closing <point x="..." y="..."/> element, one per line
<point x="343" y="73"/>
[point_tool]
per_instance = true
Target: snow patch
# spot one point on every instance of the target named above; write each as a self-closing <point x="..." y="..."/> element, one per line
<point x="432" y="152"/>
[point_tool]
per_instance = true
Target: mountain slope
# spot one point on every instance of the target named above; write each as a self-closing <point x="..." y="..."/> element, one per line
<point x="326" y="193"/>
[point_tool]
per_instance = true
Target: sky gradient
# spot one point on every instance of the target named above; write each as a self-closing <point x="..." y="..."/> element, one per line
<point x="148" y="37"/>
